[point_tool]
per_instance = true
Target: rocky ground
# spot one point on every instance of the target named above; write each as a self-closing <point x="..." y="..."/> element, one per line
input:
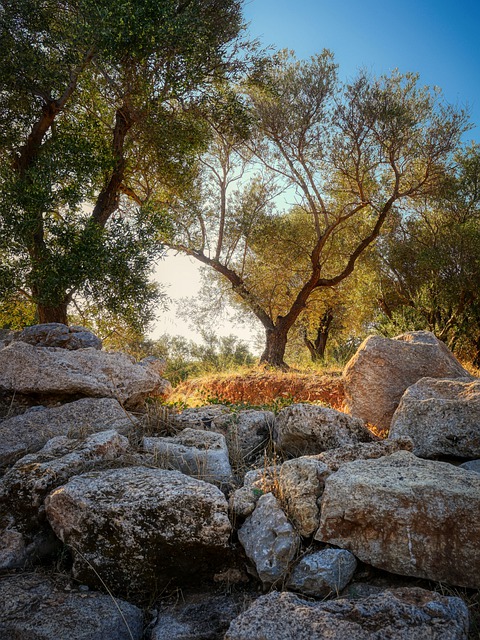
<point x="121" y="519"/>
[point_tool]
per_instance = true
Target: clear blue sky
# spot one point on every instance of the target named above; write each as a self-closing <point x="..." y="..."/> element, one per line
<point x="439" y="39"/>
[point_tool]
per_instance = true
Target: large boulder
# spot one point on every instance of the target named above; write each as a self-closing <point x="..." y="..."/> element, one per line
<point x="382" y="369"/>
<point x="304" y="429"/>
<point x="30" y="431"/>
<point x="269" y="540"/>
<point x="399" y="614"/>
<point x="322" y="573"/>
<point x="140" y="528"/>
<point x="33" y="607"/>
<point x="50" y="371"/>
<point x="55" y="334"/>
<point x="201" y="454"/>
<point x="406" y="515"/>
<point x="442" y="417"/>
<point x="26" y="485"/>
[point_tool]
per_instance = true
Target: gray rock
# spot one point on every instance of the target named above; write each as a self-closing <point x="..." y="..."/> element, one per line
<point x="301" y="485"/>
<point x="335" y="458"/>
<point x="198" y="617"/>
<point x="303" y="429"/>
<point x="29" y="432"/>
<point x="269" y="540"/>
<point x="255" y="484"/>
<point x="55" y="334"/>
<point x="156" y="364"/>
<point x="140" y="528"/>
<point x="382" y="369"/>
<point x="34" y="608"/>
<point x="406" y="515"/>
<point x="26" y="485"/>
<point x="13" y="552"/>
<point x="400" y="614"/>
<point x="442" y="417"/>
<point x="322" y="573"/>
<point x="203" y="418"/>
<point x="471" y="465"/>
<point x="201" y="454"/>
<point x="31" y="370"/>
<point x="245" y="431"/>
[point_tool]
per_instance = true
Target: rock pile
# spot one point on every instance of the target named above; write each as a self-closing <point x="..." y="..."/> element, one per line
<point x="138" y="512"/>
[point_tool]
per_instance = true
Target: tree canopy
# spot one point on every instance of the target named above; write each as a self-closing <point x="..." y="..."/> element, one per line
<point x="99" y="106"/>
<point x="346" y="154"/>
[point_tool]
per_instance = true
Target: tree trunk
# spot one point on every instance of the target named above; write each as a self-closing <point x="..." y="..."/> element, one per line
<point x="49" y="313"/>
<point x="317" y="348"/>
<point x="276" y="343"/>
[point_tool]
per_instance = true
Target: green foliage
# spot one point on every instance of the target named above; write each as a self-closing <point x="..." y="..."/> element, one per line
<point x="101" y="118"/>
<point x="346" y="154"/>
<point x="430" y="262"/>
<point x="187" y="359"/>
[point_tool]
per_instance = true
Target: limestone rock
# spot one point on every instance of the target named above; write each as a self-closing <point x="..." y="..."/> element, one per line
<point x="399" y="614"/>
<point x="201" y="454"/>
<point x="255" y="484"/>
<point x="203" y="418"/>
<point x="269" y="540"/>
<point x="471" y="465"/>
<point x="246" y="432"/>
<point x="406" y="515"/>
<point x="303" y="429"/>
<point x="140" y="528"/>
<point x="156" y="364"/>
<point x="27" y="483"/>
<point x="33" y="608"/>
<point x="301" y="485"/>
<point x="442" y="417"/>
<point x="31" y="370"/>
<point x="322" y="573"/>
<point x="55" y="334"/>
<point x="335" y="458"/>
<point x="31" y="430"/>
<point x="382" y="369"/>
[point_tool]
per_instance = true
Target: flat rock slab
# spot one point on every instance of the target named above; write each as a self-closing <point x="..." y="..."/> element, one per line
<point x="400" y="614"/>
<point x="33" y="608"/>
<point x="38" y="371"/>
<point x="442" y="417"/>
<point x="382" y="369"/>
<point x="408" y="516"/>
<point x="30" y="431"/>
<point x="200" y="454"/>
<point x="140" y="528"/>
<point x="304" y="429"/>
<point x="55" y="334"/>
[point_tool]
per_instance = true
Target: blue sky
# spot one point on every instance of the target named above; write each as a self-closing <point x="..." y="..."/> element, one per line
<point x="438" y="39"/>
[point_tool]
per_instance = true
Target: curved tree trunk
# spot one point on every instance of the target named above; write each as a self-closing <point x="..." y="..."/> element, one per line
<point x="317" y="348"/>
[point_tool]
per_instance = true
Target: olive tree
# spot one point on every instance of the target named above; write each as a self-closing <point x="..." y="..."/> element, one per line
<point x="344" y="154"/>
<point x="99" y="116"/>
